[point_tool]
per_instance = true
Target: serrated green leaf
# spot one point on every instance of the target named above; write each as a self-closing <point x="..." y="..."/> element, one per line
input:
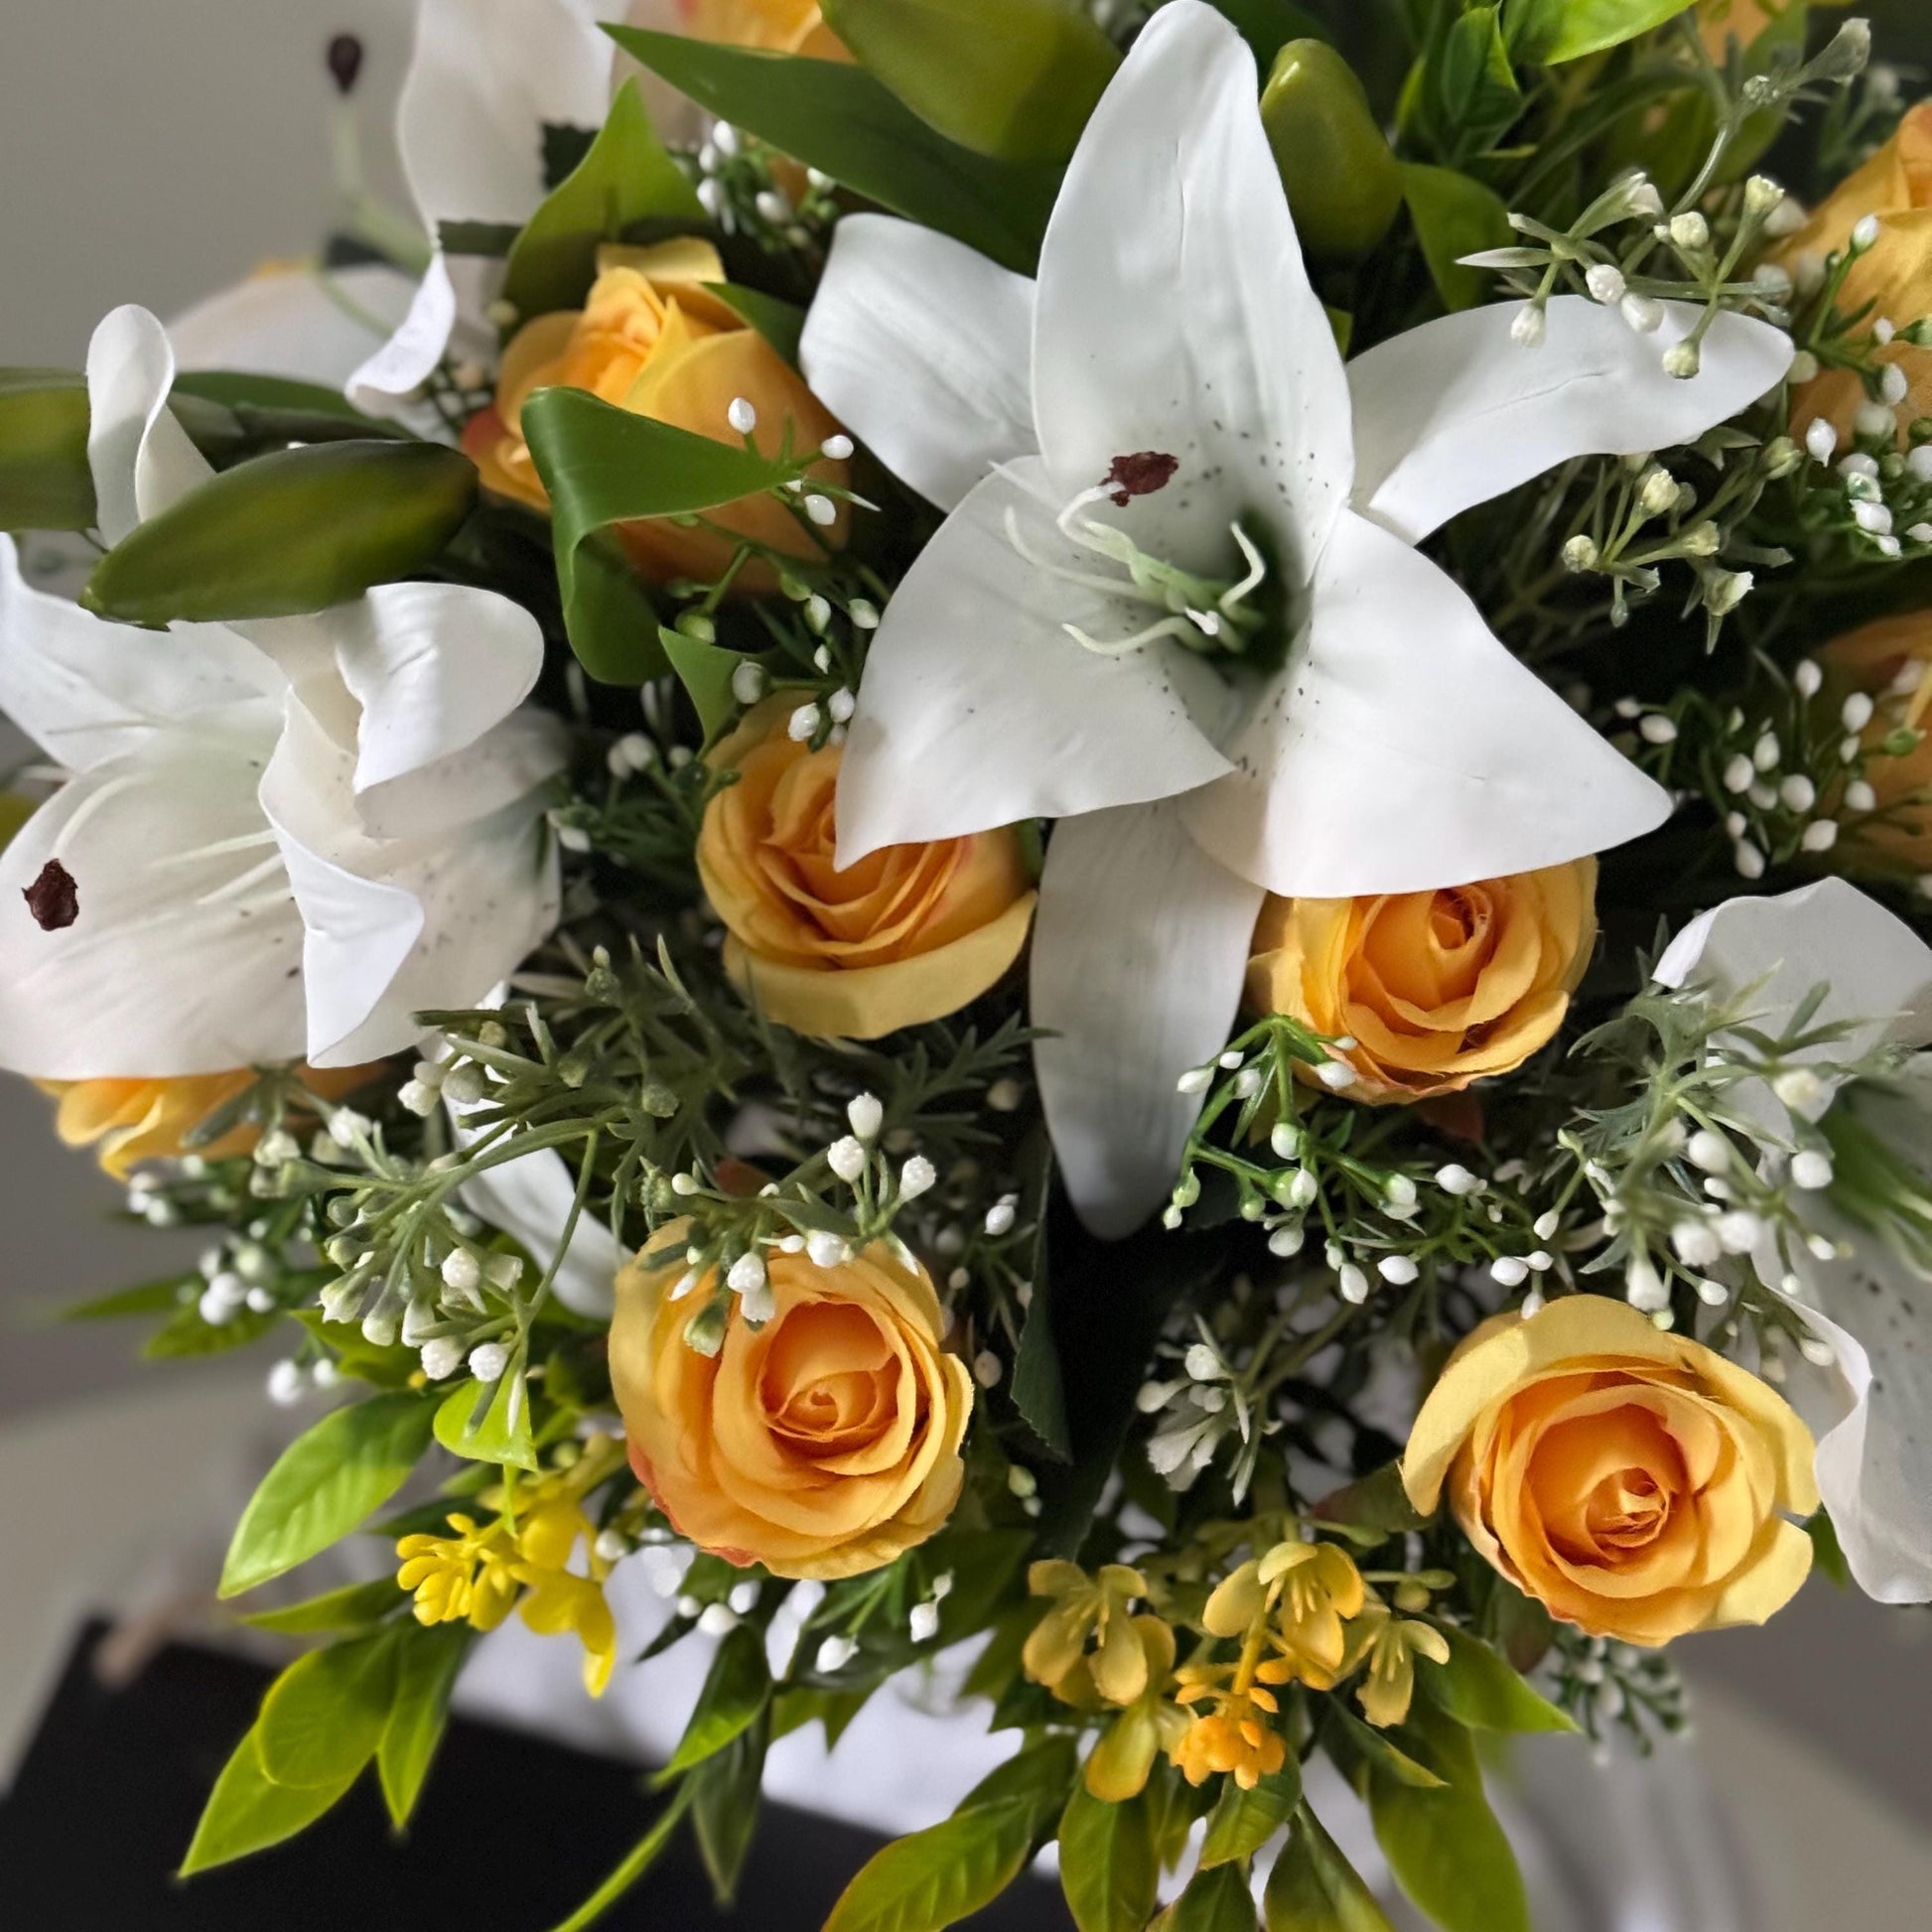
<point x="428" y="1661"/>
<point x="288" y="534"/>
<point x="780" y="323"/>
<point x="1445" y="1846"/>
<point x="626" y="176"/>
<point x="1217" y="1900"/>
<point x="1455" y="216"/>
<point x="604" y="466"/>
<point x="46" y="480"/>
<point x="353" y="1607"/>
<point x="1242" y="1822"/>
<point x="1478" y="1687"/>
<point x="324" y="1717"/>
<point x="1313" y="1889"/>
<point x="725" y="1807"/>
<point x="848" y="124"/>
<point x="151" y="1297"/>
<point x="734" y="1698"/>
<point x="1546" y="33"/>
<point x="1108" y="1869"/>
<point x="325" y="1485"/>
<point x="246" y="1812"/>
<point x="475" y="1422"/>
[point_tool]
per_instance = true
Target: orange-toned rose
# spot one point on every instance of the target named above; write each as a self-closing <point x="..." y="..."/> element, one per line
<point x="1630" y="1480"/>
<point x="1894" y="188"/>
<point x="652" y="338"/>
<point x="133" y="1121"/>
<point x="821" y="1445"/>
<point x="1892" y="662"/>
<point x="909" y="934"/>
<point x="778" y="26"/>
<point x="1436" y="988"/>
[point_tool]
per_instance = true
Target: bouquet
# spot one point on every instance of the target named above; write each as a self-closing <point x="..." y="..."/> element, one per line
<point x="1094" y="831"/>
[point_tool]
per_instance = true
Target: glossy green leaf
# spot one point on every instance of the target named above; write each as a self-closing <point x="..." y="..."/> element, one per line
<point x="604" y="466"/>
<point x="1826" y="1553"/>
<point x="705" y="672"/>
<point x="626" y="178"/>
<point x="1375" y="1505"/>
<point x="1039" y="1388"/>
<point x="151" y="1297"/>
<point x="428" y="1661"/>
<point x="1108" y="1869"/>
<point x="488" y="1421"/>
<point x="1242" y="1822"/>
<point x="1040" y="1775"/>
<point x="734" y="1698"/>
<point x="246" y="1812"/>
<point x="942" y="1874"/>
<point x="325" y="1485"/>
<point x="324" y="1717"/>
<point x="288" y="534"/>
<point x="1313" y="1889"/>
<point x="1478" y="1687"/>
<point x="352" y="1607"/>
<point x="1475" y="86"/>
<point x="1546" y="33"/>
<point x="780" y="323"/>
<point x="45" y="483"/>
<point x="850" y="125"/>
<point x="1455" y="216"/>
<point x="1445" y="1846"/>
<point x="725" y="1807"/>
<point x="1375" y="1749"/>
<point x="1339" y="174"/>
<point x="1014" y="79"/>
<point x="240" y="390"/>
<point x="1216" y="1900"/>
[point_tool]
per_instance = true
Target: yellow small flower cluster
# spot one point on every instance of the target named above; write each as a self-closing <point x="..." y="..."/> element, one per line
<point x="1302" y="1613"/>
<point x="520" y="1558"/>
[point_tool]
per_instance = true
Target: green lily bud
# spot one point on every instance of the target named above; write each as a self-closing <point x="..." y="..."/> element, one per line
<point x="45" y="481"/>
<point x="1012" y="78"/>
<point x="1343" y="185"/>
<point x="288" y="534"/>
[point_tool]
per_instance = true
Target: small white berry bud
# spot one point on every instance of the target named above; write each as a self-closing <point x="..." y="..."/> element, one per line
<point x="923" y="1624"/>
<point x="1399" y="1270"/>
<point x="747" y="682"/>
<point x="1811" y="1170"/>
<point x="1605" y="283"/>
<point x="838" y="446"/>
<point x="1530" y="327"/>
<point x="834" y="1654"/>
<point x="846" y="1159"/>
<point x="1821" y="438"/>
<point x="747" y="1273"/>
<point x="827" y="1250"/>
<point x="489" y="1362"/>
<point x="442" y="1357"/>
<point x="867" y="1116"/>
<point x="1454" y="1179"/>
<point x="1643" y="313"/>
<point x="918" y="1177"/>
<point x="742" y="415"/>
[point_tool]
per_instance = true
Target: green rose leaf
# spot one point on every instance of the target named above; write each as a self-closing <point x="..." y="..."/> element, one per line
<point x="850" y="125"/>
<point x="46" y="481"/>
<point x="288" y="534"/>
<point x="325" y="1485"/>
<point x="324" y="1717"/>
<point x="1216" y="1900"/>
<point x="1479" y="1688"/>
<point x="1546" y="33"/>
<point x="1313" y="1889"/>
<point x="427" y="1664"/>
<point x="1014" y="78"/>
<point x="1242" y="1822"/>
<point x="626" y="178"/>
<point x="1108" y="1869"/>
<point x="246" y="1812"/>
<point x="604" y="466"/>
<point x="734" y="1698"/>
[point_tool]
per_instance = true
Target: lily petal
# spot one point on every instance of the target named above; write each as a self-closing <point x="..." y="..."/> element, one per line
<point x="924" y="348"/>
<point x="1176" y="314"/>
<point x="141" y="457"/>
<point x="1403" y="749"/>
<point x="187" y="954"/>
<point x="312" y="325"/>
<point x="1456" y="412"/>
<point x="1139" y="950"/>
<point x="85" y="692"/>
<point x="978" y="710"/>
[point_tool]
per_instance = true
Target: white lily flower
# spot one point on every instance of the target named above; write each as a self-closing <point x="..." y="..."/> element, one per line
<point x="286" y="837"/>
<point x="485" y="78"/>
<point x="1871" y="1306"/>
<point x="1182" y="475"/>
<point x="312" y="323"/>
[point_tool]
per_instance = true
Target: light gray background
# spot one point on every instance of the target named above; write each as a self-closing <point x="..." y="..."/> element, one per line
<point x="151" y="150"/>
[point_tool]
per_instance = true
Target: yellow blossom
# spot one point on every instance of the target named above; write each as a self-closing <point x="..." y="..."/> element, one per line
<point x="561" y="1603"/>
<point x="1088" y="1606"/>
<point x="459" y="1579"/>
<point x="1117" y="1768"/>
<point x="1297" y="1596"/>
<point x="1233" y="1735"/>
<point x="1389" y="1645"/>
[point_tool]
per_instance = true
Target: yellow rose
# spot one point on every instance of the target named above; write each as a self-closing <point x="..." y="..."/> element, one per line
<point x="909" y="934"/>
<point x="778" y="26"/>
<point x="651" y="339"/>
<point x="1629" y="1481"/>
<point x="1436" y="988"/>
<point x="1894" y="274"/>
<point x="132" y="1121"/>
<point x="823" y="1444"/>
<point x="1892" y="661"/>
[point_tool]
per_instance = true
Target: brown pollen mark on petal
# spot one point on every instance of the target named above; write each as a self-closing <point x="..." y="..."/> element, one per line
<point x="1141" y="476"/>
<point x="54" y="898"/>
